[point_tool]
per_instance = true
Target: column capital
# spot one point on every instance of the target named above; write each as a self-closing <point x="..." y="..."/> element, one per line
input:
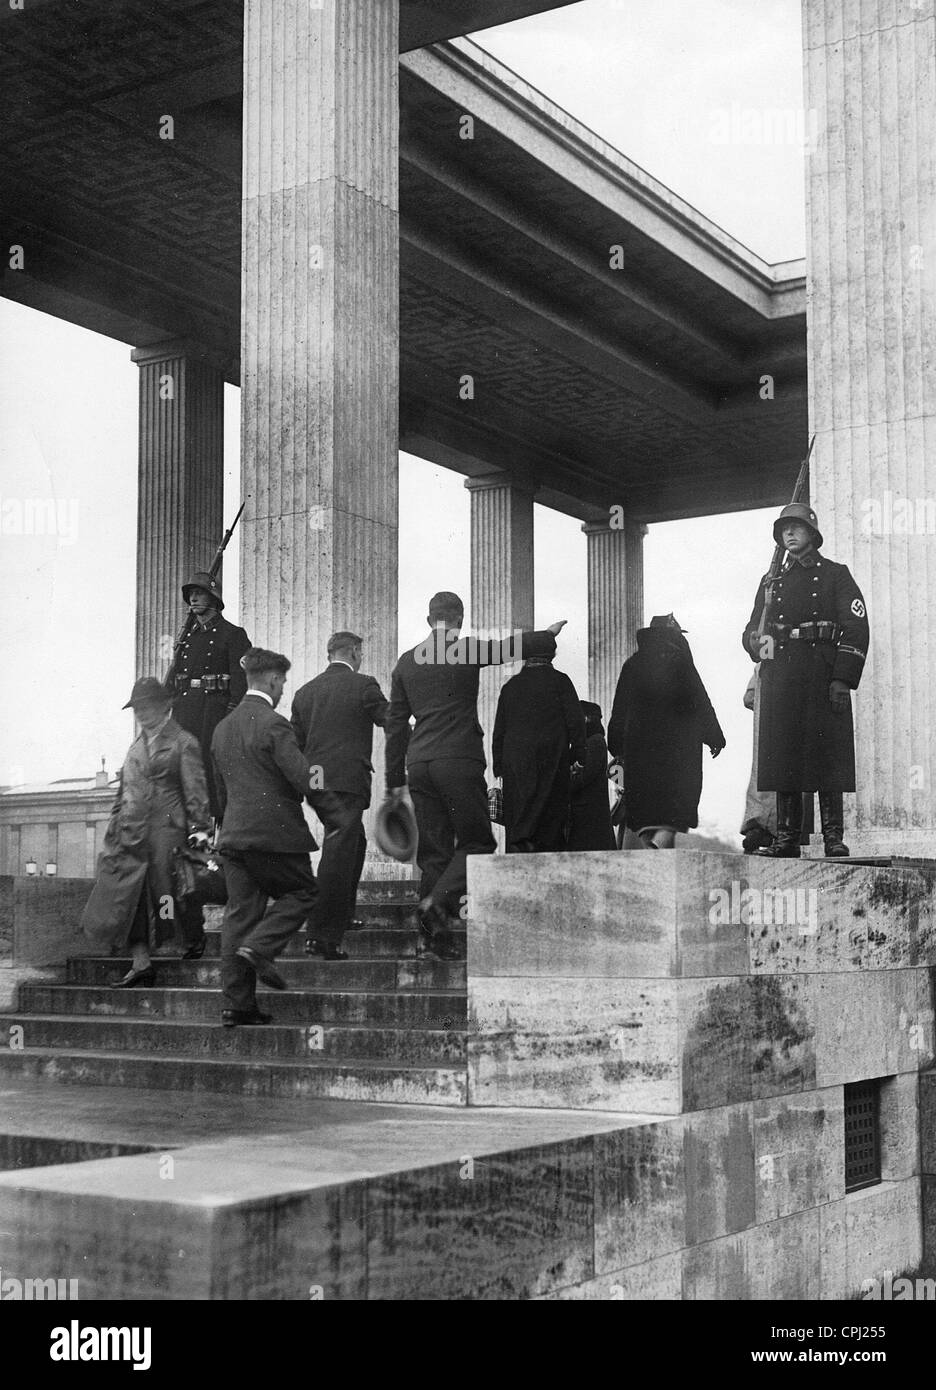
<point x="485" y="482"/>
<point x="168" y="348"/>
<point x="597" y="528"/>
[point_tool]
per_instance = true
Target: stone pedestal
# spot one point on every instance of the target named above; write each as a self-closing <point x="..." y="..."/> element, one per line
<point x="615" y="604"/>
<point x="181" y="487"/>
<point x="319" y="399"/>
<point x="501" y="576"/>
<point x="871" y="183"/>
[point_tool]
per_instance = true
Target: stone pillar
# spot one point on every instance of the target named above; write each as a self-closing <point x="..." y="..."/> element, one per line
<point x="501" y="575"/>
<point x="181" y="489"/>
<point x="320" y="339"/>
<point x="871" y="184"/>
<point x="615" y="604"/>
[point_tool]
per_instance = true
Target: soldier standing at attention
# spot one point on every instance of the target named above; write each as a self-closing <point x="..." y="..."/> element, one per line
<point x="813" y="649"/>
<point x="206" y="677"/>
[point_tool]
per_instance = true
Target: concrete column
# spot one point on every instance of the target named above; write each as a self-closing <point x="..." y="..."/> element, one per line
<point x="501" y="575"/>
<point x="615" y="604"/>
<point x="181" y="486"/>
<point x="320" y="339"/>
<point x="871" y="183"/>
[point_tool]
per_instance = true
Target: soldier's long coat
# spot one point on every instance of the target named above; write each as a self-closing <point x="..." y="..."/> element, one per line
<point x="804" y="746"/>
<point x="214" y="649"/>
<point x="162" y="798"/>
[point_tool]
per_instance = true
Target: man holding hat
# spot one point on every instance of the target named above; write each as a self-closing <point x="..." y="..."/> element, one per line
<point x="206" y="676"/>
<point x="813" y="649"/>
<point x="162" y="802"/>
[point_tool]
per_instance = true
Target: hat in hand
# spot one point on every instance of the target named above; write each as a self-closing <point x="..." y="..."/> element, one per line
<point x="395" y="829"/>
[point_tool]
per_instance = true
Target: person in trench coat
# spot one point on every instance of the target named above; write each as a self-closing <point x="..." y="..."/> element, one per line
<point x="660" y="719"/>
<point x="538" y="730"/>
<point x="162" y="802"/>
<point x="590" y="811"/>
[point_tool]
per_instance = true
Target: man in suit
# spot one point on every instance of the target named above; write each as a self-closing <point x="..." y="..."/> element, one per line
<point x="262" y="777"/>
<point x="206" y="676"/>
<point x="334" y="717"/>
<point x="435" y="684"/>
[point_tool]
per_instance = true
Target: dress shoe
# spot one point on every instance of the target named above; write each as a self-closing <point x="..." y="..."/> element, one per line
<point x="196" y="951"/>
<point x="144" y="978"/>
<point x="355" y="924"/>
<point x="230" y="1018"/>
<point x="435" y="937"/>
<point x="325" y="950"/>
<point x="265" y="969"/>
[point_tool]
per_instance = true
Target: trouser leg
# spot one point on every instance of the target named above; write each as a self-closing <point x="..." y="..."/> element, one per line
<point x="289" y="880"/>
<point x="436" y="834"/>
<point x="243" y="910"/>
<point x="339" y="867"/>
<point x="461" y="787"/>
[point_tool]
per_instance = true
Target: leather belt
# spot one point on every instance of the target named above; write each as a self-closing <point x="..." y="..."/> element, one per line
<point x="823" y="630"/>
<point x="210" y="685"/>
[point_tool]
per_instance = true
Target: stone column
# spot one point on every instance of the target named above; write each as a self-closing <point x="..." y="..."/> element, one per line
<point x="320" y="340"/>
<point x="181" y="487"/>
<point x="871" y="184"/>
<point x="501" y="575"/>
<point x="615" y="604"/>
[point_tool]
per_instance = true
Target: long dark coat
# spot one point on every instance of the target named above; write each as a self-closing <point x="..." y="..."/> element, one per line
<point x="161" y="799"/>
<point x="590" y="810"/>
<point x="803" y="745"/>
<point x="538" y="731"/>
<point x="660" y="720"/>
<point x="213" y="652"/>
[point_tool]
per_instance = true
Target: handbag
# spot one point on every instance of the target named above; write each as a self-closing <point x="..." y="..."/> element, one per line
<point x="496" y="805"/>
<point x="198" y="874"/>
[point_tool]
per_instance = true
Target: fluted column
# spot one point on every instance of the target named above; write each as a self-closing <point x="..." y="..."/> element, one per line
<point x="871" y="183"/>
<point x="501" y="575"/>
<point x="181" y="485"/>
<point x="615" y="604"/>
<point x="320" y="340"/>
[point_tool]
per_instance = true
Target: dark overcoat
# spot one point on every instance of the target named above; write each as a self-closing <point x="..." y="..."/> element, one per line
<point x="262" y="777"/>
<point x="333" y="716"/>
<point x="589" y="808"/>
<point x="660" y="720"/>
<point x="803" y="745"/>
<point x="161" y="799"/>
<point x="539" y="730"/>
<point x="209" y="653"/>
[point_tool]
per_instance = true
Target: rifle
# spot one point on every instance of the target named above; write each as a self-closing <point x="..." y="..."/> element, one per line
<point x="212" y="574"/>
<point x="776" y="564"/>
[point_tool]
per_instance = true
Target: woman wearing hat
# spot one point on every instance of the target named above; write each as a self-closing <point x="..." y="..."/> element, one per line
<point x="589" y="811"/>
<point x="538" y="731"/>
<point x="661" y="717"/>
<point x="811" y="641"/>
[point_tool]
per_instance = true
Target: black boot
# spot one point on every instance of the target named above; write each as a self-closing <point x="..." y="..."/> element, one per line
<point x="789" y="825"/>
<point x="832" y="813"/>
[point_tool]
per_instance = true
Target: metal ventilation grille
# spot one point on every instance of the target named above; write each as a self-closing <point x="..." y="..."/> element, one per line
<point x="862" y="1135"/>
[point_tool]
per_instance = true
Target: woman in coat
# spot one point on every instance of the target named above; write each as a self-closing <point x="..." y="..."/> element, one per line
<point x="661" y="718"/>
<point x="539" y="729"/>
<point x="590" y="812"/>
<point x="161" y="803"/>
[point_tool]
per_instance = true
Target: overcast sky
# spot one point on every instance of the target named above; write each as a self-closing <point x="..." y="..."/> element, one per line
<point x="680" y="87"/>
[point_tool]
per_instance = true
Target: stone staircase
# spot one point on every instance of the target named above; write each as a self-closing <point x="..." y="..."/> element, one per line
<point x="386" y="1025"/>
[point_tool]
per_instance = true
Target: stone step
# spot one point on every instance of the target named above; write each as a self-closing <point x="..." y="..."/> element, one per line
<point x="312" y="1040"/>
<point x="41" y="1150"/>
<point x="395" y="942"/>
<point x="404" y="1009"/>
<point x="391" y="915"/>
<point x="438" y="1084"/>
<point x="303" y="973"/>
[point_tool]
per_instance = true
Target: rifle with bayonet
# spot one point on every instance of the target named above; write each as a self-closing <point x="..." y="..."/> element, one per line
<point x="190" y="619"/>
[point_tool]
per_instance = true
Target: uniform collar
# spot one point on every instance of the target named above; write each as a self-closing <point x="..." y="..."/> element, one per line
<point x="807" y="562"/>
<point x="207" y="627"/>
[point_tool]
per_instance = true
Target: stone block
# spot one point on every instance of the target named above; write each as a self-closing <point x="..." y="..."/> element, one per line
<point x="882" y="1232"/>
<point x="718" y="1159"/>
<point x="900" y="1126"/>
<point x="783" y="1258"/>
<point x="783" y="1034"/>
<point x="520" y="1226"/>
<point x="640" y="1194"/>
<point x="6" y="919"/>
<point x="928" y="1210"/>
<point x="715" y="1041"/>
<point x="927" y="1121"/>
<point x="302" y="1246"/>
<point x="872" y="1023"/>
<point x="574" y="1044"/>
<point x="46" y="913"/>
<point x="604" y="915"/>
<point x="711" y="935"/>
<point x="833" y="1251"/>
<point x="717" y="1270"/>
<point x="799" y="1146"/>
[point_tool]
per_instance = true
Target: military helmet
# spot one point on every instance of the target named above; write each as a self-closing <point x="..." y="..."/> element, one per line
<point x="201" y="579"/>
<point x="798" y="511"/>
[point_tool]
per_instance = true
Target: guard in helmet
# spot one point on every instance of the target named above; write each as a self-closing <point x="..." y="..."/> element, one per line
<point x="206" y="678"/>
<point x="813" y="651"/>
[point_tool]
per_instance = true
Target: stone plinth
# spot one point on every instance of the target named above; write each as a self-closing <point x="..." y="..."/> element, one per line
<point x="870" y="72"/>
<point x="679" y="981"/>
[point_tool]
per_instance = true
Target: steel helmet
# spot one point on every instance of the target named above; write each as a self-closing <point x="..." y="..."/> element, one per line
<point x="798" y="511"/>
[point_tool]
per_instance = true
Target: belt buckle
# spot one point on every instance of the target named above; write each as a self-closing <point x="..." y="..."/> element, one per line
<point x="195" y="683"/>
